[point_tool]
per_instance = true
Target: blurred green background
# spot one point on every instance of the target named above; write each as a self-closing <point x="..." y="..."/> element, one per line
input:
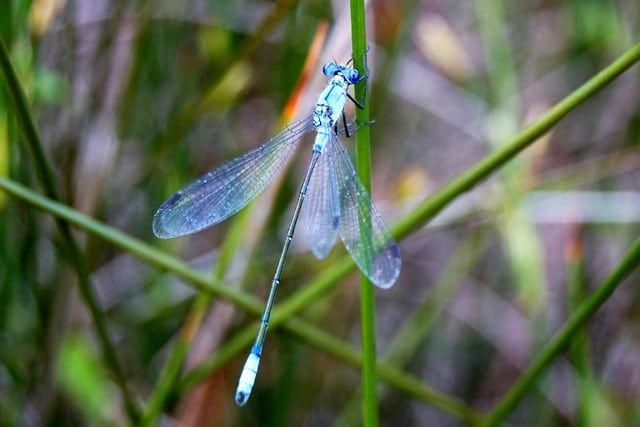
<point x="134" y="99"/>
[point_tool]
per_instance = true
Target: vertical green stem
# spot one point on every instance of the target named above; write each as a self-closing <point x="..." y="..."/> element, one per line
<point x="363" y="166"/>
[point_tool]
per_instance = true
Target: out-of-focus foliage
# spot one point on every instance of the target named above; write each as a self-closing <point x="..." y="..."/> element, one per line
<point x="133" y="99"/>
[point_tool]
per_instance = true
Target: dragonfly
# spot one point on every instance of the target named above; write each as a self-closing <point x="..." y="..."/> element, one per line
<point x="337" y="203"/>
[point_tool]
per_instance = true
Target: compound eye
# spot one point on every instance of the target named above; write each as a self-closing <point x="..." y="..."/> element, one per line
<point x="330" y="69"/>
<point x="354" y="76"/>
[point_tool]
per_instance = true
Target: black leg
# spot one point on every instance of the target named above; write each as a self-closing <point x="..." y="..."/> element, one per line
<point x="355" y="101"/>
<point x="346" y="125"/>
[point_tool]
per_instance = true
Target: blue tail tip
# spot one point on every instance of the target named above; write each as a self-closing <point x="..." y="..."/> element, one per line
<point x="241" y="398"/>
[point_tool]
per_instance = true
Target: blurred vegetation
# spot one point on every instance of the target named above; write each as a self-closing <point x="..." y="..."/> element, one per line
<point x="492" y="314"/>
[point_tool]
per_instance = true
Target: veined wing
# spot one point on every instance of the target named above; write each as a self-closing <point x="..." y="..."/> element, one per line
<point x="321" y="208"/>
<point x="225" y="190"/>
<point x="361" y="227"/>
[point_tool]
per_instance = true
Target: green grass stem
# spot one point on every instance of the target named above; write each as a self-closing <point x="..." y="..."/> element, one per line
<point x="363" y="167"/>
<point x="495" y="160"/>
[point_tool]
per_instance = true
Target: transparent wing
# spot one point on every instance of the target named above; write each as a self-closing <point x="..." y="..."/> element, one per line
<point x="321" y="208"/>
<point x="361" y="227"/>
<point x="225" y="190"/>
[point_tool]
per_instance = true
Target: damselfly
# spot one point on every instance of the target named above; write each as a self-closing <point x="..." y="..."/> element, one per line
<point x="337" y="202"/>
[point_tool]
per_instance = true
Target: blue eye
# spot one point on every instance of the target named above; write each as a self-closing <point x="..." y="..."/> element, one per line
<point x="330" y="69"/>
<point x="353" y="75"/>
